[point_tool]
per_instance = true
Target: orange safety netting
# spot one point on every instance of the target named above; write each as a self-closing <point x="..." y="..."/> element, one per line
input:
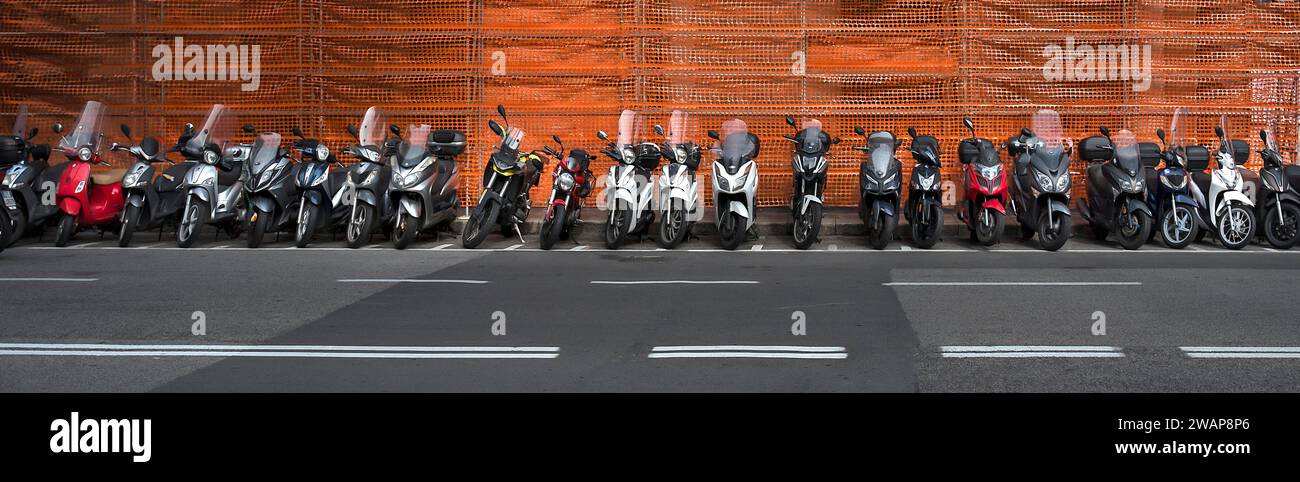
<point x="569" y="68"/>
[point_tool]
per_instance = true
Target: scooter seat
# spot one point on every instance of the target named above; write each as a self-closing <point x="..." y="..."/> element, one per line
<point x="106" y="177"/>
<point x="1202" y="181"/>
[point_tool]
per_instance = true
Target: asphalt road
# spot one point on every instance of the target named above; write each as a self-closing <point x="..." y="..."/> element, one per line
<point x="93" y="317"/>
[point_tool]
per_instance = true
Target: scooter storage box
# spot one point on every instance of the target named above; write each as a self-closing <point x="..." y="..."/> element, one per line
<point x="1149" y="154"/>
<point x="1198" y="158"/>
<point x="447" y="142"/>
<point x="10" y="151"/>
<point x="1240" y="151"/>
<point x="1095" y="149"/>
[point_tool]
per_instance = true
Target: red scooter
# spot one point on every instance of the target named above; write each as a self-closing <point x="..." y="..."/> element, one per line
<point x="984" y="203"/>
<point x="570" y="185"/>
<point x="86" y="198"/>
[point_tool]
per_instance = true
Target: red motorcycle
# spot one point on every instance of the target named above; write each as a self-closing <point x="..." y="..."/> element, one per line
<point x="86" y="198"/>
<point x="570" y="185"/>
<point x="984" y="203"/>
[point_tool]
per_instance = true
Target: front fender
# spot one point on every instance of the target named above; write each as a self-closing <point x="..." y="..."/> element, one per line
<point x="70" y="205"/>
<point x="1184" y="199"/>
<point x="264" y="204"/>
<point x="1237" y="196"/>
<point x="1058" y="206"/>
<point x="1137" y="205"/>
<point x="994" y="204"/>
<point x="412" y="206"/>
<point x="808" y="199"/>
<point x="313" y="196"/>
<point x="136" y="199"/>
<point x="367" y="197"/>
<point x="739" y="208"/>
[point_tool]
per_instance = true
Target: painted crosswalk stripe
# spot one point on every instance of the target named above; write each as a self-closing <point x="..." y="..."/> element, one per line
<point x="1279" y="352"/>
<point x="1030" y="351"/>
<point x="750" y="351"/>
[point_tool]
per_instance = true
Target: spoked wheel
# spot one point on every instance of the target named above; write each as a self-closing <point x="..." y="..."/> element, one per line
<point x="1134" y="229"/>
<point x="807" y="226"/>
<point x="732" y="231"/>
<point x="1053" y="230"/>
<point x="925" y="235"/>
<point x="191" y="221"/>
<point x="476" y="227"/>
<point x="988" y="231"/>
<point x="306" y="226"/>
<point x="672" y="226"/>
<point x="1236" y="227"/>
<point x="616" y="229"/>
<point x="1281" y="229"/>
<point x="130" y="220"/>
<point x="360" y="225"/>
<point x="1178" y="227"/>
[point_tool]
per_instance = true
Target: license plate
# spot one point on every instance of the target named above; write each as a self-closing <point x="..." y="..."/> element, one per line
<point x="9" y="199"/>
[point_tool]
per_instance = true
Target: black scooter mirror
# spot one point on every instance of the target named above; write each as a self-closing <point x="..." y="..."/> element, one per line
<point x="501" y="109"/>
<point x="659" y="129"/>
<point x="1218" y="131"/>
<point x="1161" y="134"/>
<point x="790" y="121"/>
<point x="249" y="128"/>
<point x="835" y="140"/>
<point x="189" y="128"/>
<point x="492" y="124"/>
<point x="126" y="131"/>
<point x="911" y="132"/>
<point x="970" y="125"/>
<point x="397" y="131"/>
<point x="297" y="132"/>
<point x="1105" y="131"/>
<point x="355" y="134"/>
<point x="714" y="135"/>
<point x="602" y="135"/>
<point x="58" y="128"/>
<point x="32" y="133"/>
<point x="1024" y="131"/>
<point x="1263" y="136"/>
<point x="860" y="131"/>
<point x="557" y="140"/>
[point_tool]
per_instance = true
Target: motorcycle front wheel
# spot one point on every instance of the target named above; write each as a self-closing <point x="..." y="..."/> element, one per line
<point x="405" y="230"/>
<point x="1135" y="231"/>
<point x="360" y="225"/>
<point x="476" y="227"/>
<point x="553" y="227"/>
<point x="261" y="222"/>
<point x="306" y="226"/>
<point x="130" y="219"/>
<point x="1053" y="230"/>
<point x="67" y="229"/>
<point x="884" y="232"/>
<point x="926" y="235"/>
<point x="1281" y="230"/>
<point x="1236" y="227"/>
<point x="18" y="222"/>
<point x="989" y="230"/>
<point x="191" y="223"/>
<point x="617" y="227"/>
<point x="1178" y="227"/>
<point x="807" y="226"/>
<point x="732" y="231"/>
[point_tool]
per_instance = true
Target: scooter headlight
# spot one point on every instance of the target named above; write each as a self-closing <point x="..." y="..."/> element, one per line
<point x="564" y="181"/>
<point x="1044" y="181"/>
<point x="1063" y="182"/>
<point x="925" y="183"/>
<point x="84" y="154"/>
<point x="11" y="176"/>
<point x="1133" y="185"/>
<point x="370" y="155"/>
<point x="1174" y="181"/>
<point x="268" y="175"/>
<point x="1229" y="179"/>
<point x="132" y="178"/>
<point x="322" y="153"/>
<point x="210" y="157"/>
<point x="990" y="172"/>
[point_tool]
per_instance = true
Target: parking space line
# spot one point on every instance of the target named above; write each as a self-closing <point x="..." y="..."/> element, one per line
<point x="1275" y="352"/>
<point x="1013" y="283"/>
<point x="1030" y="351"/>
<point x="278" y="351"/>
<point x="750" y="351"/>
<point x="676" y="282"/>
<point x="403" y="280"/>
<point x="60" y="280"/>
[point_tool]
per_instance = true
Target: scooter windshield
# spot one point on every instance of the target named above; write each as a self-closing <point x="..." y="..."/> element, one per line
<point x="1225" y="140"/>
<point x="677" y="126"/>
<point x="811" y="140"/>
<point x="87" y="131"/>
<point x="372" y="127"/>
<point x="1049" y="137"/>
<point x="1178" y="131"/>
<point x="1126" y="150"/>
<point x="20" y="122"/>
<point x="217" y="128"/>
<point x="881" y="146"/>
<point x="737" y="143"/>
<point x="627" y="126"/>
<point x="416" y="145"/>
<point x="265" y="152"/>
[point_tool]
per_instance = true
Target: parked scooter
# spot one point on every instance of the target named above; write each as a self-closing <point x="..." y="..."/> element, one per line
<point x="1220" y="194"/>
<point x="571" y="182"/>
<point x="879" y="182"/>
<point x="924" y="210"/>
<point x="1175" y="210"/>
<point x="628" y="189"/>
<point x="151" y="201"/>
<point x="424" y="182"/>
<point x="735" y="182"/>
<point x="325" y="200"/>
<point x="679" y="196"/>
<point x="1279" y="203"/>
<point x="370" y="177"/>
<point x="983" y="207"/>
<point x="87" y="198"/>
<point x="506" y="181"/>
<point x="811" y="144"/>
<point x="213" y="184"/>
<point x="268" y="186"/>
<point x="30" y="182"/>
<point x="1041" y="195"/>
<point x="1117" y="189"/>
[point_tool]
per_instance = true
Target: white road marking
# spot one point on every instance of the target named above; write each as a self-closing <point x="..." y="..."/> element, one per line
<point x="580" y="247"/>
<point x="756" y="247"/>
<point x="400" y="280"/>
<point x="1013" y="283"/>
<point x="677" y="282"/>
<point x="132" y="346"/>
<point x="277" y="351"/>
<point x="1277" y="352"/>
<point x="85" y="245"/>
<point x="514" y="247"/>
<point x="443" y="246"/>
<point x="61" y="280"/>
<point x="904" y="248"/>
<point x="276" y="354"/>
<point x="1030" y="351"/>
<point x="750" y="351"/>
<point x="832" y="247"/>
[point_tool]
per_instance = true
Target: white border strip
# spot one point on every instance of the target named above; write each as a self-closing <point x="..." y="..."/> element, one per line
<point x="338" y="348"/>
<point x="1013" y="283"/>
<point x="273" y="354"/>
<point x="677" y="282"/>
<point x="1241" y="352"/>
<point x="397" y="280"/>
<point x="805" y="349"/>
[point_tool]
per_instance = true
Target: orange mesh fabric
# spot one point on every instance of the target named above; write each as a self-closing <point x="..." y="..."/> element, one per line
<point x="569" y="68"/>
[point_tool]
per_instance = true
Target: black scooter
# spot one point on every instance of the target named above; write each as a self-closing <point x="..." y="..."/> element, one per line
<point x="1278" y="201"/>
<point x="879" y="183"/>
<point x="924" y="199"/>
<point x="811" y="144"/>
<point x="268" y="187"/>
<point x="151" y="201"/>
<point x="1041" y="194"/>
<point x="325" y="199"/>
<point x="30" y="183"/>
<point x="1117" y="189"/>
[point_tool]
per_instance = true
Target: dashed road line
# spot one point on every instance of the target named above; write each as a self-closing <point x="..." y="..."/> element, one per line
<point x="750" y="351"/>
<point x="1030" y="351"/>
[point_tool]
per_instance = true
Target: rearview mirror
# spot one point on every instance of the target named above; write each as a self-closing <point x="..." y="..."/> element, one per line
<point x="189" y="128"/>
<point x="860" y="131"/>
<point x="353" y="131"/>
<point x="397" y="131"/>
<point x="1105" y="131"/>
<point x="1218" y="131"/>
<point x="297" y="132"/>
<point x="1024" y="131"/>
<point x="602" y="135"/>
<point x="1161" y="134"/>
<point x="659" y="129"/>
<point x="126" y="131"/>
<point x="911" y="132"/>
<point x="249" y="128"/>
<point x="789" y="120"/>
<point x="501" y="109"/>
<point x="556" y="138"/>
<point x="1263" y="135"/>
<point x="492" y="124"/>
<point x="714" y="135"/>
<point x="835" y="140"/>
<point x="58" y="128"/>
<point x="32" y="133"/>
<point x="970" y="125"/>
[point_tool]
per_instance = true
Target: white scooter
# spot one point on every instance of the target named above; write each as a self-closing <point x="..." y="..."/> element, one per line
<point x="735" y="182"/>
<point x="1219" y="194"/>
<point x="628" y="189"/>
<point x="679" y="196"/>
